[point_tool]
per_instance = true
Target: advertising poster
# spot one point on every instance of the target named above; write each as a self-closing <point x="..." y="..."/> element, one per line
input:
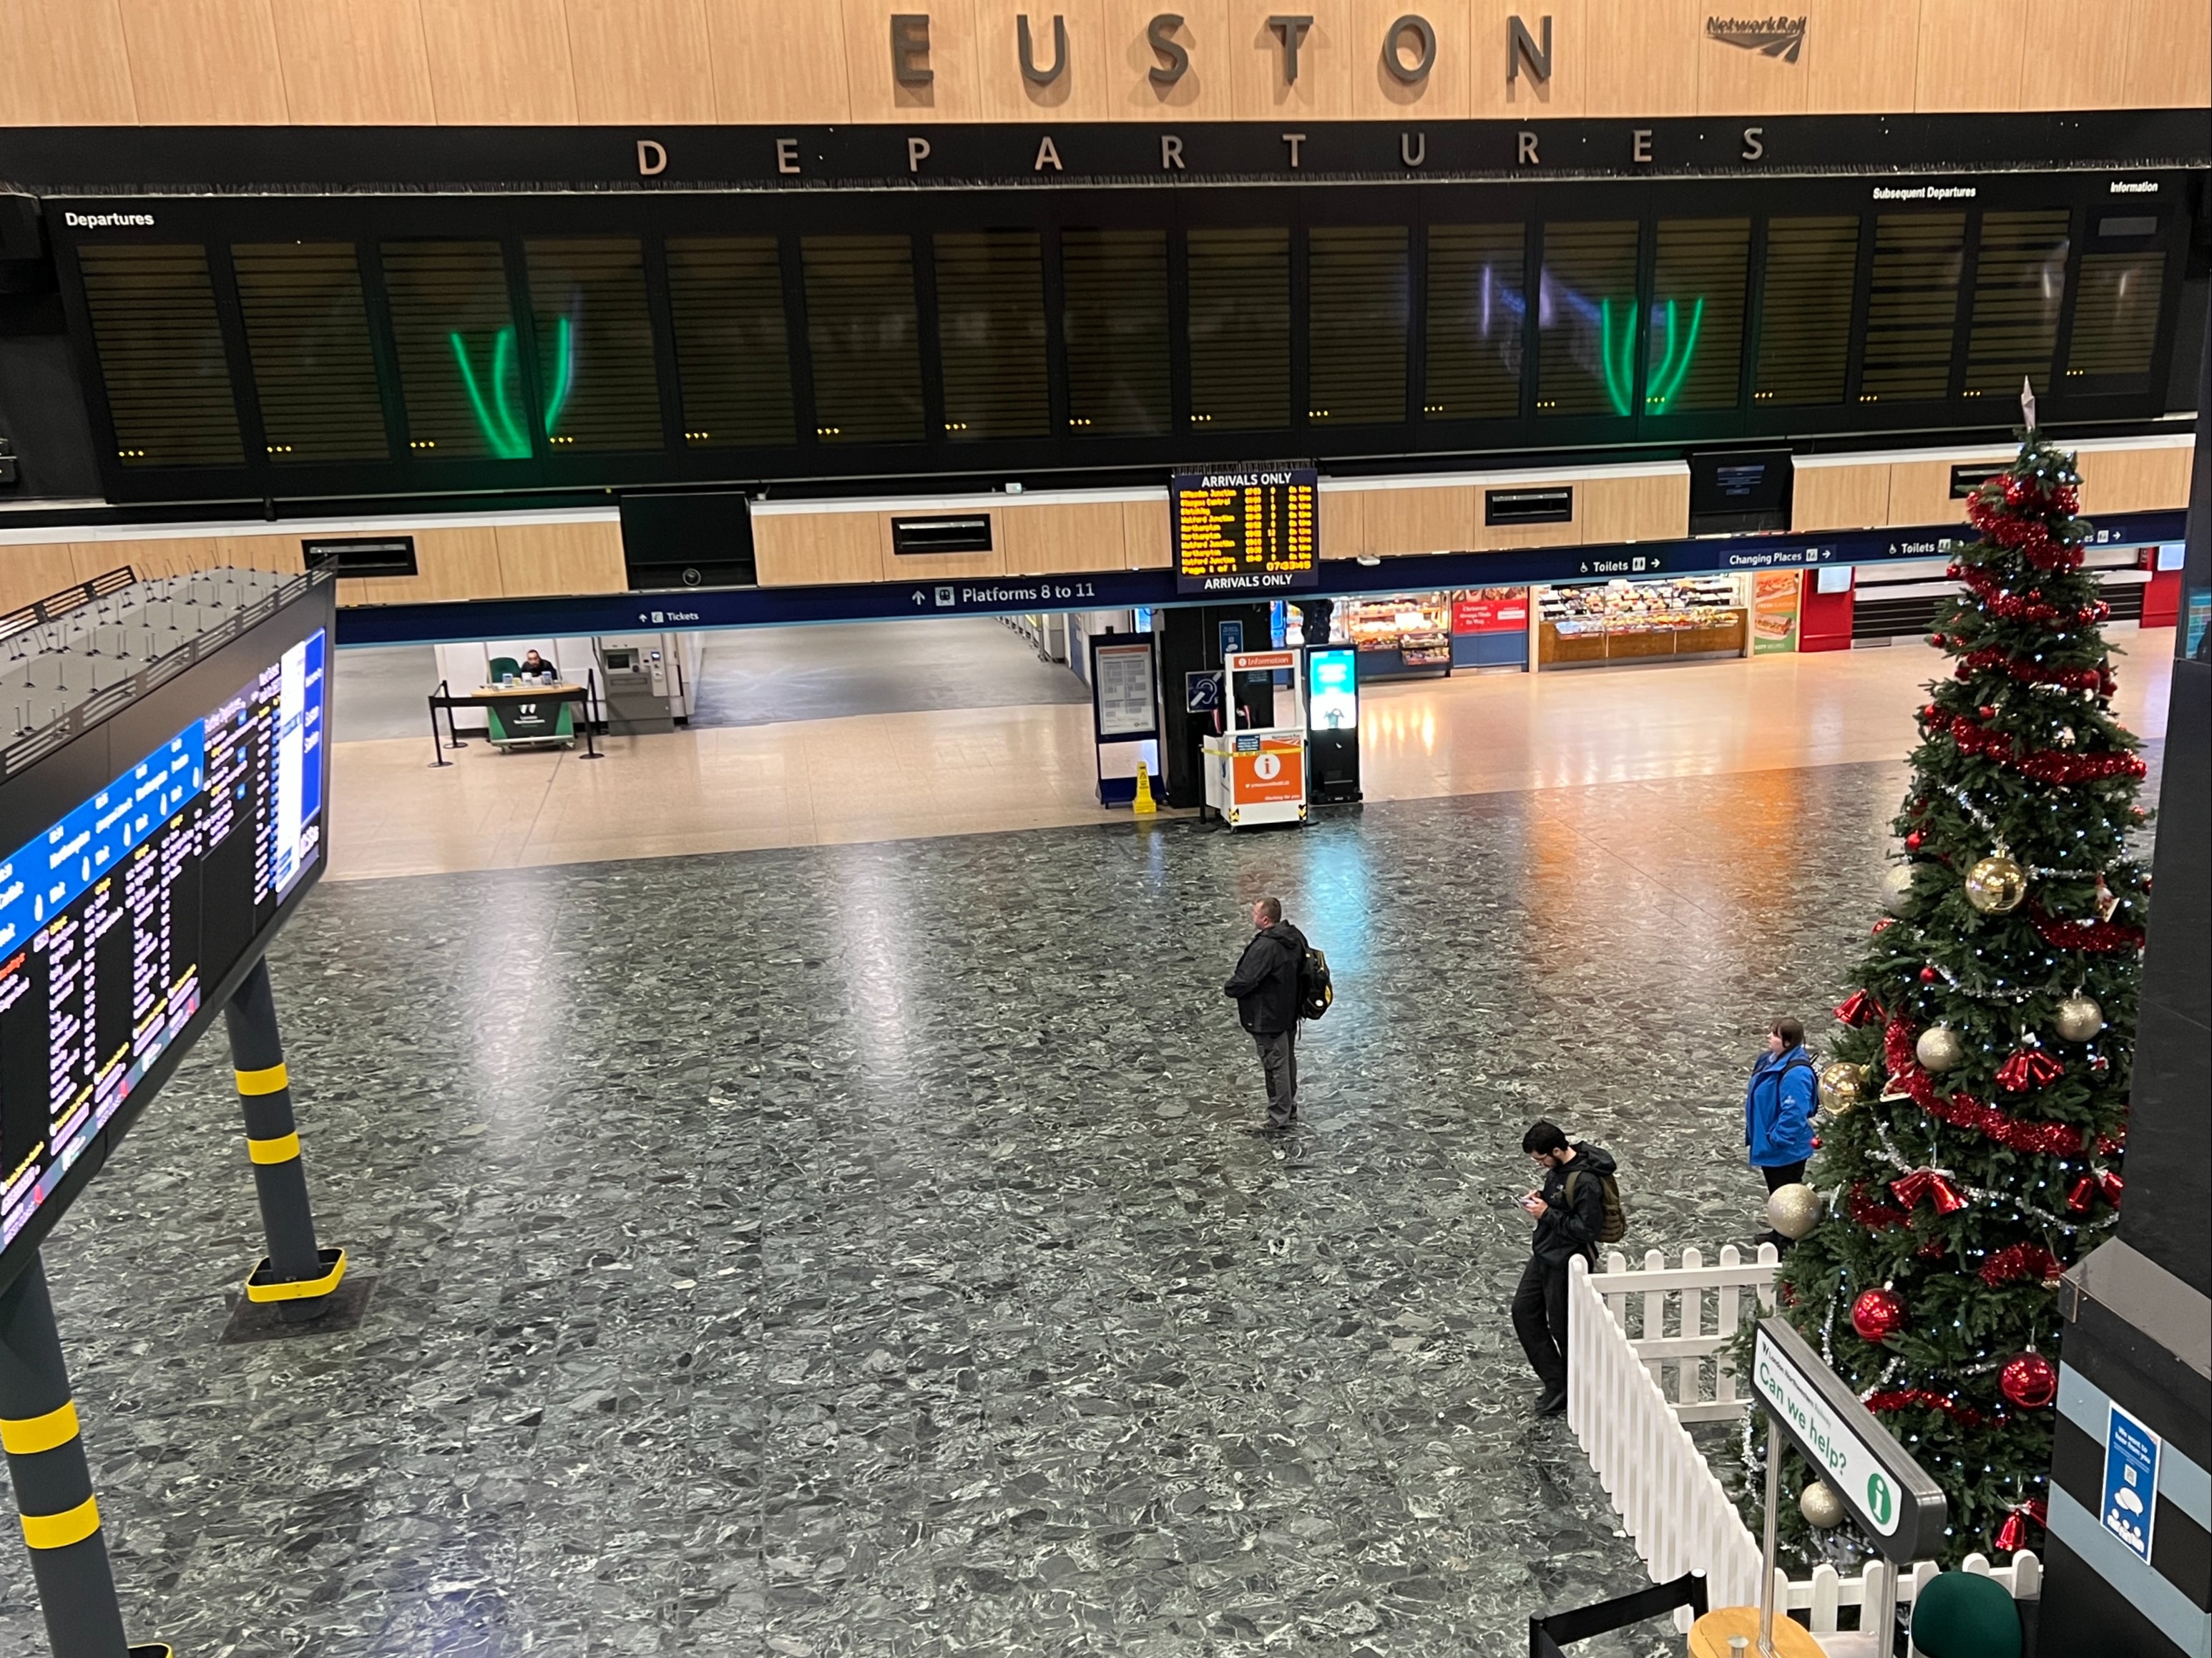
<point x="1774" y="612"/>
<point x="1491" y="610"/>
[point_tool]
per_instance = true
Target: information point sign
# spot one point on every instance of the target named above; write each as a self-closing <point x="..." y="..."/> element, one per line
<point x="1901" y="1509"/>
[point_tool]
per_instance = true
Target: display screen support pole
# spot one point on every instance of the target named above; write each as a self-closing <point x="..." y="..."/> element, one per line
<point x="272" y="1140"/>
<point x="53" y="1485"/>
<point x="1774" y="1443"/>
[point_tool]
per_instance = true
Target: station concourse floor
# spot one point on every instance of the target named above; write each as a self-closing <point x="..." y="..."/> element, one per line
<point x="804" y="1226"/>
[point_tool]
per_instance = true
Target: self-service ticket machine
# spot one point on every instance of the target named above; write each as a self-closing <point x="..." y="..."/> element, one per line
<point x="1255" y="764"/>
<point x="1332" y="722"/>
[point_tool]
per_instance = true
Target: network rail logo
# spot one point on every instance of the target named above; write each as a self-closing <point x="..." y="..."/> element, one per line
<point x="1770" y="37"/>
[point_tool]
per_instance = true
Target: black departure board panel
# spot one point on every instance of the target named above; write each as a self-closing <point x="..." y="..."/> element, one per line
<point x="119" y="924"/>
<point x="1252" y="531"/>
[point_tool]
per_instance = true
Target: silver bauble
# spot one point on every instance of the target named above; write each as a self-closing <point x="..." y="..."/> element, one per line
<point x="2078" y="1018"/>
<point x="1794" y="1209"/>
<point x="1822" y="1509"/>
<point x="1897" y="887"/>
<point x="1939" y="1048"/>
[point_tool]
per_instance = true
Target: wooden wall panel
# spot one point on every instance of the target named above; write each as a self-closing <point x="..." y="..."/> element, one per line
<point x="1144" y="534"/>
<point x="802" y="549"/>
<point x="1064" y="537"/>
<point x="1644" y="55"/>
<point x="1257" y="89"/>
<point x="1446" y="94"/>
<point x="954" y="94"/>
<point x="205" y="63"/>
<point x="1079" y="93"/>
<point x="499" y="63"/>
<point x="1638" y="508"/>
<point x="1840" y="498"/>
<point x="450" y="564"/>
<point x="2134" y="480"/>
<point x="2079" y="57"/>
<point x="1920" y="490"/>
<point x="2169" y="54"/>
<point x="779" y="63"/>
<point x="68" y="65"/>
<point x="1736" y="80"/>
<point x="560" y="559"/>
<point x="641" y="61"/>
<point x="1490" y="96"/>
<point x="1399" y="522"/>
<point x="353" y="62"/>
<point x="1203" y="93"/>
<point x="29" y="573"/>
<point x="1971" y="54"/>
<point x="1861" y="57"/>
<point x="1340" y="518"/>
<point x="280" y="553"/>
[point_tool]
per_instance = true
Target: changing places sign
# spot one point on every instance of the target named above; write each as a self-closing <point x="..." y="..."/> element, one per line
<point x="1853" y="1453"/>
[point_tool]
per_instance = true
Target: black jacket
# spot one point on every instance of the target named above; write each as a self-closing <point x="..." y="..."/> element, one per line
<point x="1565" y="1230"/>
<point x="1266" y="982"/>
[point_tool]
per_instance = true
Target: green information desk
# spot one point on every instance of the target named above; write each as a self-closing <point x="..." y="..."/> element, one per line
<point x="522" y="716"/>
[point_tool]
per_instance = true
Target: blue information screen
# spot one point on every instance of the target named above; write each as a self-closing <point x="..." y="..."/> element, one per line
<point x="117" y="921"/>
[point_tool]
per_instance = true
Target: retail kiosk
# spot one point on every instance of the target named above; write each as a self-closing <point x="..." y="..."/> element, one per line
<point x="1255" y="767"/>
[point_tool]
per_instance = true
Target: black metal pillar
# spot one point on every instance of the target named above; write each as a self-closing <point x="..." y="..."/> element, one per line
<point x="296" y="1276"/>
<point x="53" y="1486"/>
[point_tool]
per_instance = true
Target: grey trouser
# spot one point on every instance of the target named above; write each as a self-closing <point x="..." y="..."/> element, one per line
<point x="1278" y="1057"/>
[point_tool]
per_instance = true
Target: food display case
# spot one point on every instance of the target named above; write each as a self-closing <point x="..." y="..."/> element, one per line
<point x="1407" y="636"/>
<point x="1621" y="621"/>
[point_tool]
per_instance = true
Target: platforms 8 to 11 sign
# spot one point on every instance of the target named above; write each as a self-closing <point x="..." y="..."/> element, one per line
<point x="1251" y="531"/>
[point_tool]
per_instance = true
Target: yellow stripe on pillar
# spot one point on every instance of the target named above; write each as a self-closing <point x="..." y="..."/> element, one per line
<point x="271" y="1081"/>
<point x="58" y="1531"/>
<point x="28" y="1436"/>
<point x="282" y="1149"/>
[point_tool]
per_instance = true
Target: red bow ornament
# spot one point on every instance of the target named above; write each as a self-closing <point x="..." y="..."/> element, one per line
<point x="2029" y="1068"/>
<point x="1927" y="1183"/>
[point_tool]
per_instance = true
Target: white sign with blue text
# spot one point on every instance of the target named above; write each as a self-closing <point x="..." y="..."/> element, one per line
<point x="2131" y="1499"/>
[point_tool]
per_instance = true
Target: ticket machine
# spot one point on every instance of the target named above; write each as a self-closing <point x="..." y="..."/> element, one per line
<point x="1255" y="763"/>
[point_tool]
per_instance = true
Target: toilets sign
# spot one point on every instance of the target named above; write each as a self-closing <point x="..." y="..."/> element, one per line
<point x="1884" y="1488"/>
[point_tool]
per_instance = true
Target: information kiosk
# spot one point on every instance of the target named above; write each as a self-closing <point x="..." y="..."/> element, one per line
<point x="1256" y="765"/>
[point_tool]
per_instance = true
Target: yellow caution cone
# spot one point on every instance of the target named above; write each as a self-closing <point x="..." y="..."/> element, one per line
<point x="1144" y="805"/>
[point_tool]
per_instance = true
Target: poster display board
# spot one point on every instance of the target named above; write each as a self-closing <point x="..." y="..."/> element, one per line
<point x="1122" y="691"/>
<point x="1254" y="531"/>
<point x="120" y="922"/>
<point x="1774" y="612"/>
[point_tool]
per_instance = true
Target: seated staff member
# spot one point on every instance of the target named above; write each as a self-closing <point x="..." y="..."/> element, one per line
<point x="533" y="665"/>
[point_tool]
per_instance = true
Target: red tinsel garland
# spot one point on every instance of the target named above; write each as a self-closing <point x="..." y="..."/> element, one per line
<point x="1897" y="1399"/>
<point x="2098" y="678"/>
<point x="2029" y="537"/>
<point x="1962" y="1110"/>
<point x="2055" y="766"/>
<point x="2103" y="936"/>
<point x="2024" y="607"/>
<point x="1873" y="1215"/>
<point x="2020" y="1260"/>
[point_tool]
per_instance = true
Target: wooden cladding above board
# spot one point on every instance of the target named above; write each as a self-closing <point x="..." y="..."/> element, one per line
<point x="550" y="63"/>
<point x="1913" y="487"/>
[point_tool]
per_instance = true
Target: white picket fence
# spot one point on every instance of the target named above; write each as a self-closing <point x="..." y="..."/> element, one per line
<point x="1643" y="1357"/>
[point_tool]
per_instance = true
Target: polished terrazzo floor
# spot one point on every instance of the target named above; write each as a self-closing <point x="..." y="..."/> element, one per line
<point x="857" y="1250"/>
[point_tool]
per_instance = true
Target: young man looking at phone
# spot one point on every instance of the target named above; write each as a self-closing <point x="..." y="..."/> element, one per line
<point x="1569" y="1210"/>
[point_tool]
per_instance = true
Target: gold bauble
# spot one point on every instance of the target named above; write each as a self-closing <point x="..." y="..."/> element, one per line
<point x="1997" y="884"/>
<point x="1822" y="1509"/>
<point x="1794" y="1209"/>
<point x="1939" y="1048"/>
<point x="1897" y="887"/>
<point x="1842" y="1084"/>
<point x="2078" y="1018"/>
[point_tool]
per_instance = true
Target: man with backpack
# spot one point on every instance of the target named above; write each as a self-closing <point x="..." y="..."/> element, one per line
<point x="1274" y="987"/>
<point x="1577" y="1208"/>
<point x="1777" y="1110"/>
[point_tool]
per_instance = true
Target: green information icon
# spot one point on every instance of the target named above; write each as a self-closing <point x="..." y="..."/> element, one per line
<point x="1881" y="1503"/>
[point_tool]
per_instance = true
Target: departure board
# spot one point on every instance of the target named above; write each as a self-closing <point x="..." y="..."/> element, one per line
<point x="1245" y="532"/>
<point x="118" y="922"/>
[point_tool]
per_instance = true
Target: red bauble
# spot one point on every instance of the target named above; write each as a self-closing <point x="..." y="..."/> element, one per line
<point x="2029" y="1380"/>
<point x="1912" y="841"/>
<point x="1927" y="975"/>
<point x="1877" y="1314"/>
<point x="1986" y="712"/>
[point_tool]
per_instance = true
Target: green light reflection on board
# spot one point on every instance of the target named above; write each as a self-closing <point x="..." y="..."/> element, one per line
<point x="506" y="433"/>
<point x="1618" y="358"/>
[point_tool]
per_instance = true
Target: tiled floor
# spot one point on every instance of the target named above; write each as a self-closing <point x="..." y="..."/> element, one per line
<point x="853" y="1249"/>
<point x="889" y="776"/>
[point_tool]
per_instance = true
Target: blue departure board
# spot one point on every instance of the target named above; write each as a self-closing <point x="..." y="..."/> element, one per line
<point x="120" y="920"/>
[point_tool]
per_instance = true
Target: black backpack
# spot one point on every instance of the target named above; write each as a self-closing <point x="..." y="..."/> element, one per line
<point x="1616" y="1213"/>
<point x="1317" y="990"/>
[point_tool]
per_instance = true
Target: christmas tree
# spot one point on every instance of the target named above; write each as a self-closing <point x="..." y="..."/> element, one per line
<point x="1975" y="1100"/>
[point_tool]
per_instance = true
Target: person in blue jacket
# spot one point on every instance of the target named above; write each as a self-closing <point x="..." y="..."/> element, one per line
<point x="1777" y="1110"/>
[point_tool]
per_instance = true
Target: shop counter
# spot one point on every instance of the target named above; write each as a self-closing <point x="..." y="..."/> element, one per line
<point x="1720" y="633"/>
